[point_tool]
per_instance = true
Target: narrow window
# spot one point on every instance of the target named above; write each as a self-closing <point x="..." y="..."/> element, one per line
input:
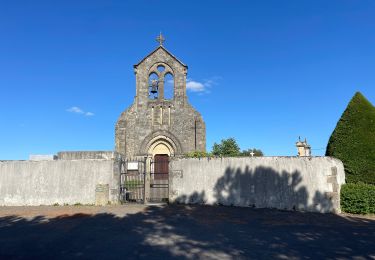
<point x="169" y="116"/>
<point x="161" y="115"/>
<point x="152" y="115"/>
<point x="168" y="86"/>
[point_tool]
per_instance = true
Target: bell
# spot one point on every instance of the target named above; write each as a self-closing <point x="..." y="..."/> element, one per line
<point x="154" y="87"/>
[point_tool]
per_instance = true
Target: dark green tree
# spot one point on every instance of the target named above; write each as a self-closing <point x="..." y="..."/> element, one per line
<point x="227" y="147"/>
<point x="353" y="140"/>
<point x="257" y="152"/>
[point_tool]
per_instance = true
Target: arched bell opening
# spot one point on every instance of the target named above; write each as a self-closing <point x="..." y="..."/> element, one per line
<point x="153" y="83"/>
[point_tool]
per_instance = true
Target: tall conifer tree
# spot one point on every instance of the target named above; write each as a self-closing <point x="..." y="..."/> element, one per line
<point x="353" y="140"/>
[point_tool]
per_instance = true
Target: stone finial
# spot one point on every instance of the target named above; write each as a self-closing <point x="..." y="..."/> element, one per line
<point x="303" y="148"/>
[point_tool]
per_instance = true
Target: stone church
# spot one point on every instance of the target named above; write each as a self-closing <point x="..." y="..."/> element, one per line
<point x="161" y="121"/>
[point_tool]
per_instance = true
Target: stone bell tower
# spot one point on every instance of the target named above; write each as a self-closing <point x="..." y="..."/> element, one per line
<point x="160" y="121"/>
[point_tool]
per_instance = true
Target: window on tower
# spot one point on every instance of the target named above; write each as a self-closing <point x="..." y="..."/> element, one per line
<point x="168" y="86"/>
<point x="161" y="68"/>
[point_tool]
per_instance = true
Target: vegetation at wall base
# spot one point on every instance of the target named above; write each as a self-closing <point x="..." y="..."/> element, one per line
<point x="353" y="140"/>
<point x="198" y="154"/>
<point x="358" y="198"/>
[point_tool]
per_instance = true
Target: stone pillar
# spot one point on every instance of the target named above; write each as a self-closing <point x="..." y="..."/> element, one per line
<point x="147" y="179"/>
<point x="334" y="194"/>
<point x="101" y="194"/>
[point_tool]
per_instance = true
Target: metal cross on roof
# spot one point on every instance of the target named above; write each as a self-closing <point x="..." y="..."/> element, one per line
<point x="160" y="39"/>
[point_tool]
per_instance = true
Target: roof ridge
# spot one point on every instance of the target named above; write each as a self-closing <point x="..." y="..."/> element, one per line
<point x="157" y="48"/>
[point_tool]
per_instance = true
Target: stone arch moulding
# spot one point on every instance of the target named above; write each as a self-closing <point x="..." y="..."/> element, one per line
<point x="161" y="146"/>
<point x="161" y="137"/>
<point x="154" y="68"/>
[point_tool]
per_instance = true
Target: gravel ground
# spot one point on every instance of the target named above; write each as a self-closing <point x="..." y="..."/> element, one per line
<point x="185" y="232"/>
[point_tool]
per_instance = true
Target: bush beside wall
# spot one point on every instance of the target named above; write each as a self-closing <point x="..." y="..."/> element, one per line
<point x="358" y="198"/>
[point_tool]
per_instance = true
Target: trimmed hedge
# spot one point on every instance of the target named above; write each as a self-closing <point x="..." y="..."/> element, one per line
<point x="353" y="140"/>
<point x="358" y="198"/>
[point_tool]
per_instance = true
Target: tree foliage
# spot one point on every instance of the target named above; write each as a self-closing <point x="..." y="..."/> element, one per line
<point x="230" y="148"/>
<point x="227" y="147"/>
<point x="257" y="152"/>
<point x="353" y="140"/>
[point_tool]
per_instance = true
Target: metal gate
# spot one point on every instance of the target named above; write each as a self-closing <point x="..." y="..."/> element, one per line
<point x="159" y="178"/>
<point x="132" y="181"/>
<point x="145" y="180"/>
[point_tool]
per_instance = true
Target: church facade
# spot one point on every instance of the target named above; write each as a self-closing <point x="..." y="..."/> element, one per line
<point x="161" y="120"/>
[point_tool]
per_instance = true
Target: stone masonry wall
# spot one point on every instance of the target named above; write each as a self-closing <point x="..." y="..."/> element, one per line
<point x="291" y="183"/>
<point x="85" y="155"/>
<point x="60" y="181"/>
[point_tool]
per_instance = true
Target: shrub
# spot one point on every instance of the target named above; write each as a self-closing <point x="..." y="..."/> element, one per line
<point x="358" y="198"/>
<point x="353" y="140"/>
<point x="197" y="154"/>
<point x="256" y="152"/>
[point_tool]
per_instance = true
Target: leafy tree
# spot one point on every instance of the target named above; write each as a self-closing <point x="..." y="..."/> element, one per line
<point x="227" y="147"/>
<point x="257" y="152"/>
<point x="353" y="140"/>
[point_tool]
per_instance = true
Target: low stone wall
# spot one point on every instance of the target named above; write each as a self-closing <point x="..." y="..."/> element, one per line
<point x="85" y="155"/>
<point x="59" y="181"/>
<point x="291" y="183"/>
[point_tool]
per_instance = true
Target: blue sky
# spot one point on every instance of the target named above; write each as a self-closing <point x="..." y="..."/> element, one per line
<point x="263" y="72"/>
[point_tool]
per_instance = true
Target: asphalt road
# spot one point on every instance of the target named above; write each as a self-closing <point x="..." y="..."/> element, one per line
<point x="185" y="232"/>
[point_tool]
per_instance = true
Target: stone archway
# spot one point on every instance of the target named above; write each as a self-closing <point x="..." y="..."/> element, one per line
<point x="160" y="142"/>
<point x="160" y="146"/>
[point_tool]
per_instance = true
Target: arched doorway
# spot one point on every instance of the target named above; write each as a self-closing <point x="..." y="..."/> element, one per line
<point x="161" y="150"/>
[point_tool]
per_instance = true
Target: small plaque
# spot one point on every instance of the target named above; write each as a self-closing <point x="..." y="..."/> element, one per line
<point x="132" y="166"/>
<point x="177" y="173"/>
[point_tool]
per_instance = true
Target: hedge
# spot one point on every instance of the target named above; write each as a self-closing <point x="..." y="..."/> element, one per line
<point x="353" y="140"/>
<point x="358" y="198"/>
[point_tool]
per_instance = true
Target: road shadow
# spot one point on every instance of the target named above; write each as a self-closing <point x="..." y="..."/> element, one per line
<point x="188" y="232"/>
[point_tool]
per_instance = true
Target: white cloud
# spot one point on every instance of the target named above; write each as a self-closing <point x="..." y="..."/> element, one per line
<point x="194" y="86"/>
<point x="201" y="87"/>
<point x="78" y="110"/>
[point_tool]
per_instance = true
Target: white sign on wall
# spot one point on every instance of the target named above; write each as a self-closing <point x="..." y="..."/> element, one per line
<point x="132" y="165"/>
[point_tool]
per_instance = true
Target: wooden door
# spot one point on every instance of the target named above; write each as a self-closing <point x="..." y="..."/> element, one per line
<point x="161" y="166"/>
